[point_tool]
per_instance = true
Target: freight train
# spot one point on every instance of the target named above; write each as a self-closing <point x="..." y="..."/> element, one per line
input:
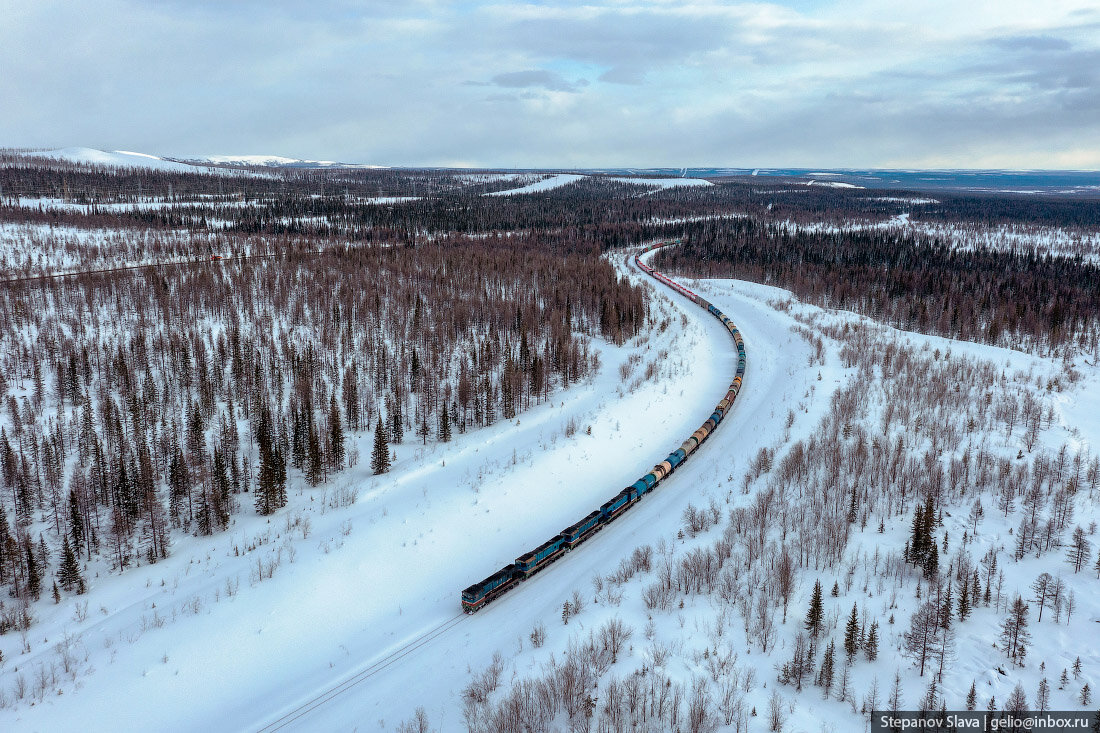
<point x="478" y="595"/>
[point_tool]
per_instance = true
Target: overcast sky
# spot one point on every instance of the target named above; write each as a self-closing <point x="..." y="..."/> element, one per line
<point x="866" y="83"/>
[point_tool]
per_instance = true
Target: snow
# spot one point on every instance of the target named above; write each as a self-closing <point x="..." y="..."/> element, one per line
<point x="278" y="160"/>
<point x="833" y="184"/>
<point x="564" y="179"/>
<point x="117" y="159"/>
<point x="555" y="181"/>
<point x="204" y="640"/>
<point x="663" y="182"/>
<point x="249" y="159"/>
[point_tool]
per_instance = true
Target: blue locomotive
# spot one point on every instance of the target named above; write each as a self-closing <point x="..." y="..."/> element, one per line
<point x="480" y="594"/>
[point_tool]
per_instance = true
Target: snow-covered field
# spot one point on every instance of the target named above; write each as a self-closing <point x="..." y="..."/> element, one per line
<point x="563" y="179"/>
<point x="232" y="632"/>
<point x="555" y="181"/>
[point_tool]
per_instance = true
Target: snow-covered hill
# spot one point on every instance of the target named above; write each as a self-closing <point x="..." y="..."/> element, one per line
<point x="117" y="159"/>
<point x="275" y="161"/>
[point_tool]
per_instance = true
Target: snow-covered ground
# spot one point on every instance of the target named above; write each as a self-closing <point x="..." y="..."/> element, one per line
<point x="555" y="181"/>
<point x="664" y="182"/>
<point x="563" y="179"/>
<point x="233" y="631"/>
<point x="117" y="159"/>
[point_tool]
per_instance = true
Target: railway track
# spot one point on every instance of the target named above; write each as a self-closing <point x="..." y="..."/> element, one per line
<point x="361" y="676"/>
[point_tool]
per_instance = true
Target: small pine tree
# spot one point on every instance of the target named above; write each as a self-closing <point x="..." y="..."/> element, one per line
<point x="870" y="647"/>
<point x="851" y="635"/>
<point x="972" y="696"/>
<point x="1086" y="694"/>
<point x="836" y="589"/>
<point x="56" y="593"/>
<point x="816" y="612"/>
<point x="1076" y="668"/>
<point x="380" y="456"/>
<point x="1063" y="680"/>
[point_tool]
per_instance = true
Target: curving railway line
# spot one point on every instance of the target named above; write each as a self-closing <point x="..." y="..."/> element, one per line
<point x="480" y="594"/>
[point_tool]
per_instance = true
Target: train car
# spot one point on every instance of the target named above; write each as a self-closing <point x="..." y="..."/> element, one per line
<point x="577" y="533"/>
<point x="611" y="509"/>
<point x="538" y="558"/>
<point x="479" y="594"/>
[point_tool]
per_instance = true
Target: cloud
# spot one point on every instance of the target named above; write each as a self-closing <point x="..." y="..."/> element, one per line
<point x="699" y="82"/>
<point x="1031" y="43"/>
<point x="548" y="80"/>
<point x="623" y="75"/>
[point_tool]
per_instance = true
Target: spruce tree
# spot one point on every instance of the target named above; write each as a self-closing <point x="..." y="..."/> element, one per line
<point x="397" y="429"/>
<point x="851" y="635"/>
<point x="69" y="572"/>
<point x="336" y="436"/>
<point x="815" y="614"/>
<point x="916" y="538"/>
<point x="76" y="522"/>
<point x="964" y="600"/>
<point x="972" y="696"/>
<point x="825" y="676"/>
<point x="423" y="430"/>
<point x="204" y="514"/>
<point x="931" y="561"/>
<point x="380" y="455"/>
<point x="271" y="481"/>
<point x="947" y="609"/>
<point x="444" y="425"/>
<point x="221" y="491"/>
<point x="870" y="647"/>
<point x="34" y="581"/>
<point x="314" y="460"/>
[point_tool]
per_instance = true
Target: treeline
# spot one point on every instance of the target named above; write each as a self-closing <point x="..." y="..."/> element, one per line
<point x="1057" y="211"/>
<point x="908" y="280"/>
<point x="83" y="183"/>
<point x="137" y="406"/>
